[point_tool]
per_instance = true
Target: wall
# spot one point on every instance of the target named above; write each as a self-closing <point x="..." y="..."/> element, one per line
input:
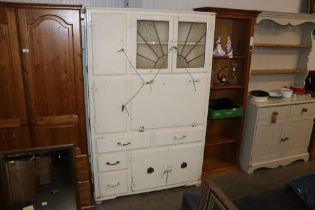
<point x="188" y="5"/>
<point x="261" y="5"/>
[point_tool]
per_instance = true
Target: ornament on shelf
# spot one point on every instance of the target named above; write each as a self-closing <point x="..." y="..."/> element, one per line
<point x="221" y="75"/>
<point x="234" y="79"/>
<point x="229" y="48"/>
<point x="218" y="51"/>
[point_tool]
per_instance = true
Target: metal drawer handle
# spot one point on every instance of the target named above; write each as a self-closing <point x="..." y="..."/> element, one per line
<point x="113" y="186"/>
<point x="181" y="137"/>
<point x="112" y="164"/>
<point x="122" y="144"/>
<point x="304" y="110"/>
<point x="284" y="139"/>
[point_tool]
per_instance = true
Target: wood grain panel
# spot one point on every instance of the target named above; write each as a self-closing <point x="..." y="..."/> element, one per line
<point x="82" y="166"/>
<point x="54" y="135"/>
<point x="12" y="106"/>
<point x="53" y="75"/>
<point x="85" y="193"/>
<point x="14" y="138"/>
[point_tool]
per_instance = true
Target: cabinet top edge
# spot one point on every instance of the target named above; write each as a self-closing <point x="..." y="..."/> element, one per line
<point x="40" y="5"/>
<point x="301" y="17"/>
<point x="149" y="11"/>
<point x="224" y="11"/>
<point x="282" y="102"/>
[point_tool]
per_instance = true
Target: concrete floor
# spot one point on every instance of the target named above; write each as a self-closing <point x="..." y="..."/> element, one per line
<point x="234" y="183"/>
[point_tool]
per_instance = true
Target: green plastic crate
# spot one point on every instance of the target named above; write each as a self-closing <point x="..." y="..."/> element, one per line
<point x="225" y="113"/>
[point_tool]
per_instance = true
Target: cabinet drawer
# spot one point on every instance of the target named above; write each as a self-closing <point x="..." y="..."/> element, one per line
<point x="112" y="162"/>
<point x="277" y="111"/>
<point x="85" y="193"/>
<point x="82" y="166"/>
<point x="122" y="143"/>
<point x="112" y="183"/>
<point x="302" y="109"/>
<point x="178" y="136"/>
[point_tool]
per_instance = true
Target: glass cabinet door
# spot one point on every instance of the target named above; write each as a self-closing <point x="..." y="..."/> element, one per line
<point x="191" y="45"/>
<point x="152" y="44"/>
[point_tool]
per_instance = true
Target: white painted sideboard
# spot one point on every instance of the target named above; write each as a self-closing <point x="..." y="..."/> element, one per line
<point x="277" y="133"/>
<point x="149" y="82"/>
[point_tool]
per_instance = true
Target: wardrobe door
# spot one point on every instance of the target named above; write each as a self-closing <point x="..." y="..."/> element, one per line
<point x="14" y="133"/>
<point x="51" y="53"/>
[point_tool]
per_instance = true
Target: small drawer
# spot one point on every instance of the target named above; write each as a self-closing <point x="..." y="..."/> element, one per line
<point x="112" y="162"/>
<point x="82" y="166"/>
<point x="122" y="143"/>
<point x="178" y="136"/>
<point x="273" y="113"/>
<point x="85" y="193"/>
<point x="112" y="183"/>
<point x="302" y="109"/>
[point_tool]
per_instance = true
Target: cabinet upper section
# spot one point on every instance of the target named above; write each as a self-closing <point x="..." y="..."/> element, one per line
<point x="148" y="42"/>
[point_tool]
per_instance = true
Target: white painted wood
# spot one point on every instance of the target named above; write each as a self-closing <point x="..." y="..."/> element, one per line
<point x="177" y="136"/>
<point x="298" y="133"/>
<point x="183" y="161"/>
<point x="112" y="183"/>
<point x="302" y="110"/>
<point x="119" y="143"/>
<point x="171" y="104"/>
<point x="267" y="142"/>
<point x="144" y="161"/>
<point x="110" y="162"/>
<point x="272" y="144"/>
<point x="151" y="108"/>
<point x="106" y="58"/>
<point x="108" y="96"/>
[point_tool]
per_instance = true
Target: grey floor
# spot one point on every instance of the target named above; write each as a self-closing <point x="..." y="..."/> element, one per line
<point x="234" y="183"/>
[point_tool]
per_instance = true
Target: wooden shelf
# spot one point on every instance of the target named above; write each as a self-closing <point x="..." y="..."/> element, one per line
<point x="282" y="45"/>
<point x="277" y="71"/>
<point x="228" y="57"/>
<point x="215" y="163"/>
<point x="219" y="140"/>
<point x="227" y="86"/>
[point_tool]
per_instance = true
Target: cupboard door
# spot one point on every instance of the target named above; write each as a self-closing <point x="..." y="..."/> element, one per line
<point x="296" y="137"/>
<point x="12" y="106"/>
<point x="169" y="101"/>
<point x="107" y="37"/>
<point x="184" y="163"/>
<point x="51" y="53"/>
<point x="192" y="41"/>
<point x="151" y="40"/>
<point x="267" y="142"/>
<point x="148" y="169"/>
<point x="108" y="97"/>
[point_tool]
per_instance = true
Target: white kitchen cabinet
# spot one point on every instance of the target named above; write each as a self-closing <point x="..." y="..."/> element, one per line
<point x="149" y="84"/>
<point x="277" y="133"/>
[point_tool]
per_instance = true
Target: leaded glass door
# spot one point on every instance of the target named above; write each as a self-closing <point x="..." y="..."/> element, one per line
<point x="152" y="43"/>
<point x="191" y="44"/>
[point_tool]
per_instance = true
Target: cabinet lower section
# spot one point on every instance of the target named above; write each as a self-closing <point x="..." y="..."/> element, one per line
<point x="146" y="169"/>
<point x="276" y="134"/>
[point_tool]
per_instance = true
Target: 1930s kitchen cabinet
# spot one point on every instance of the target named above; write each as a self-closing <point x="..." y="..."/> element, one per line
<point x="277" y="133"/>
<point x="41" y="82"/>
<point x="149" y="78"/>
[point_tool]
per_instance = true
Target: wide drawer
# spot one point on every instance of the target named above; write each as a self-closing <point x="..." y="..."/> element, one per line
<point x="112" y="183"/>
<point x="302" y="109"/>
<point x="178" y="136"/>
<point x="120" y="143"/>
<point x="112" y="162"/>
<point x="271" y="113"/>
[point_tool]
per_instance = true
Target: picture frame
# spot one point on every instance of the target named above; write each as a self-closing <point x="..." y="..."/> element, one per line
<point x="213" y="198"/>
<point x="311" y="6"/>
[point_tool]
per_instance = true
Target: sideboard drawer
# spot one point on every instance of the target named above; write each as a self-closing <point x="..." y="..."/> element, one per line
<point x="178" y="136"/>
<point x="302" y="109"/>
<point x="112" y="162"/>
<point x="112" y="183"/>
<point x="277" y="112"/>
<point x="120" y="143"/>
